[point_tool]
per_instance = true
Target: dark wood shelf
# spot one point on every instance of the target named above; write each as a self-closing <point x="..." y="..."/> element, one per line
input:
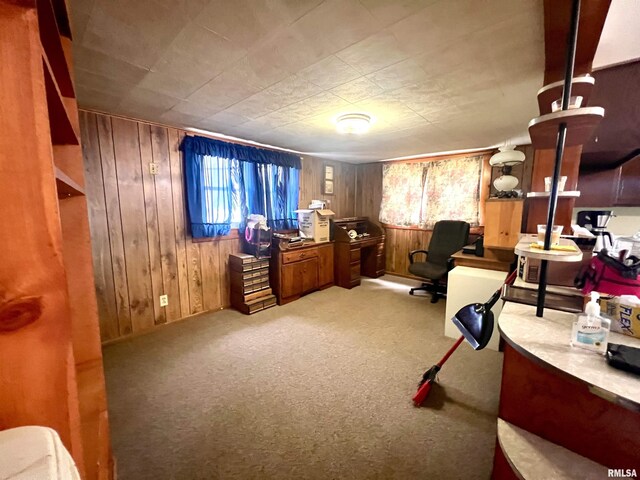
<point x="581" y="124"/>
<point x="66" y="187"/>
<point x="62" y="17"/>
<point x="580" y="86"/>
<point x="52" y="45"/>
<point x="62" y="131"/>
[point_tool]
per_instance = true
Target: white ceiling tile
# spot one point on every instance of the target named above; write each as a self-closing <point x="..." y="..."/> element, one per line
<point x="399" y="75"/>
<point x="329" y="72"/>
<point x="290" y="90"/>
<point x="373" y="53"/>
<point x="225" y="90"/>
<point x="108" y="66"/>
<point x="243" y="22"/>
<point x="136" y="32"/>
<point x="197" y="55"/>
<point x="93" y="99"/>
<point x="228" y="118"/>
<point x="260" y="71"/>
<point x="95" y="81"/>
<point x="357" y="90"/>
<point x="180" y="119"/>
<point x="148" y="100"/>
<point x="199" y="110"/>
<point x="168" y="84"/>
<point x="334" y="25"/>
<point x="320" y="103"/>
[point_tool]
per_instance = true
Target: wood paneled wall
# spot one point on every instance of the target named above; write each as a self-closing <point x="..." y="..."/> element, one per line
<point x="369" y="191"/>
<point x="343" y="201"/>
<point x="140" y="240"/>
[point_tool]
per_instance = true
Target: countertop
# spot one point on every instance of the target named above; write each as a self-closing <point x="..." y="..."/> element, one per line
<point x="546" y="342"/>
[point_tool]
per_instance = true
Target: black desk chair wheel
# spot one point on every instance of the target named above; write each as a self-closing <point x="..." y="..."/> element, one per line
<point x="448" y="237"/>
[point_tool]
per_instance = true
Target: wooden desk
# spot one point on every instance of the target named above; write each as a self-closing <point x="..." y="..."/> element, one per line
<point x="357" y="256"/>
<point x="297" y="271"/>
<point x="492" y="260"/>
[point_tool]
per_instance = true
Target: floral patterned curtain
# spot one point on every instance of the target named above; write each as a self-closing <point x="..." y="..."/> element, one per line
<point x="420" y="194"/>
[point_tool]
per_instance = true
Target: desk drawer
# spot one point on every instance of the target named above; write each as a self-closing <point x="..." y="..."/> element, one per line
<point x="290" y="257"/>
<point x="354" y="255"/>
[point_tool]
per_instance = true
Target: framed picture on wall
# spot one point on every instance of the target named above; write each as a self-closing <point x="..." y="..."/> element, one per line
<point x="327" y="179"/>
<point x="328" y="172"/>
<point x="328" y="187"/>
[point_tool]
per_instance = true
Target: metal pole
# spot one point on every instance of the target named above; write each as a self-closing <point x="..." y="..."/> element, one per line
<point x="572" y="40"/>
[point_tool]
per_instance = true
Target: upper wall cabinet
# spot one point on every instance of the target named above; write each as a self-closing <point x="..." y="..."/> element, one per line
<point x="629" y="185"/>
<point x="614" y="187"/>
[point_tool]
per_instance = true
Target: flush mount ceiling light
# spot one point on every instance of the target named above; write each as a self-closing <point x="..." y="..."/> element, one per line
<point x="357" y="123"/>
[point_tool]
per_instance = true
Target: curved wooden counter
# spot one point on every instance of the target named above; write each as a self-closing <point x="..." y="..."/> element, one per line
<point x="567" y="396"/>
<point x="545" y="341"/>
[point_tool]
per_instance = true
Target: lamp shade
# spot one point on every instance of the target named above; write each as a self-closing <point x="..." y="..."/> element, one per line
<point x="505" y="183"/>
<point x="507" y="156"/>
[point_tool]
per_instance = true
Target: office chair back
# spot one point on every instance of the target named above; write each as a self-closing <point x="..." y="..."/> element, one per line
<point x="448" y="237"/>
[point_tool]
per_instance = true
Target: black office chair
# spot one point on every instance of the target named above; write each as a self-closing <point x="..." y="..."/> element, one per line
<point x="448" y="237"/>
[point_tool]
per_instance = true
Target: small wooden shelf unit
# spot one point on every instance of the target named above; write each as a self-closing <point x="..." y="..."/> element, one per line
<point x="56" y="377"/>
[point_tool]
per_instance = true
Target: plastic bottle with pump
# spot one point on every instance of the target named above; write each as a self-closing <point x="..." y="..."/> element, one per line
<point x="590" y="330"/>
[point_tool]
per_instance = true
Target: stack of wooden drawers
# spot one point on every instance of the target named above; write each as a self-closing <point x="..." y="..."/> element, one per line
<point x="250" y="291"/>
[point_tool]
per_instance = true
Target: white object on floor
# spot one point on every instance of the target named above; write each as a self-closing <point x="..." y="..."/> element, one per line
<point x="29" y="453"/>
<point x="472" y="285"/>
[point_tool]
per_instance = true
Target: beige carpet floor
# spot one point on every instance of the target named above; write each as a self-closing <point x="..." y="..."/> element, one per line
<point x="317" y="389"/>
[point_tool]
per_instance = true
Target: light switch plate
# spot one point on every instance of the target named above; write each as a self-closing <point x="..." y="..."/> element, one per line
<point x="154" y="169"/>
<point x="164" y="300"/>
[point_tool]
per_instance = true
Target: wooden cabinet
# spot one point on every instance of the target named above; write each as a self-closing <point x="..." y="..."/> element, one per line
<point x="51" y="371"/>
<point x="503" y="221"/>
<point x="613" y="187"/>
<point x="325" y="265"/>
<point x="629" y="186"/>
<point x="302" y="270"/>
<point x="300" y="277"/>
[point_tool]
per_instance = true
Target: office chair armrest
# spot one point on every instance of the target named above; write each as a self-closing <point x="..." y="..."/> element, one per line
<point x="450" y="263"/>
<point x="411" y="254"/>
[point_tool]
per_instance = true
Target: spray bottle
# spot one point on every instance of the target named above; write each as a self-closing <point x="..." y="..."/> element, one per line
<point x="590" y="330"/>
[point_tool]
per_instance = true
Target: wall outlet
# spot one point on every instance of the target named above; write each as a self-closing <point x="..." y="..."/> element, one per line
<point x="154" y="169"/>
<point x="164" y="300"/>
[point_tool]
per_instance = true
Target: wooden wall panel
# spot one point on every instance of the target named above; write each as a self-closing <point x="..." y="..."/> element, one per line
<point x="126" y="145"/>
<point x="369" y="190"/>
<point x="116" y="240"/>
<point x="151" y="215"/>
<point x="175" y="137"/>
<point x="101" y="250"/>
<point x="343" y="202"/>
<point x="141" y="244"/>
<point x="166" y="222"/>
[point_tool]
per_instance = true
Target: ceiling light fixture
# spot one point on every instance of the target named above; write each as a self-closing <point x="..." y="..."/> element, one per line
<point x="357" y="123"/>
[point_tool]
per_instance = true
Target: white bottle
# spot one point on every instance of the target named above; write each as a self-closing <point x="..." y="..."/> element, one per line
<point x="590" y="330"/>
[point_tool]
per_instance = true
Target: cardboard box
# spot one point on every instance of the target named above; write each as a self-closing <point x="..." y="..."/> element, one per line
<point x="315" y="224"/>
<point x="625" y="318"/>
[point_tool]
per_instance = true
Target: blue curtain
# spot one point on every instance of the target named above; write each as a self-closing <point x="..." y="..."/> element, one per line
<point x="224" y="179"/>
<point x="272" y="191"/>
<point x="243" y="153"/>
<point x="209" y="195"/>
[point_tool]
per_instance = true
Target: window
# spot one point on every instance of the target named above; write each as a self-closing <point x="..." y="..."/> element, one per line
<point x="222" y="189"/>
<point x="420" y="194"/>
